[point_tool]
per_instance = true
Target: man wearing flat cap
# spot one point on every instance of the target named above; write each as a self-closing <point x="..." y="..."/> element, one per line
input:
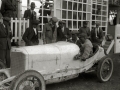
<point x="30" y="13"/>
<point x="63" y="32"/>
<point x="85" y="29"/>
<point x="50" y="31"/>
<point x="97" y="34"/>
<point x="5" y="41"/>
<point x="86" y="47"/>
<point x="31" y="34"/>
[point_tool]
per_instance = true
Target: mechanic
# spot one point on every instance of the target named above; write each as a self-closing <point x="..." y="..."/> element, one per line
<point x="31" y="34"/>
<point x="97" y="34"/>
<point x="5" y="40"/>
<point x="86" y="47"/>
<point x="85" y="29"/>
<point x="50" y="31"/>
<point x="63" y="33"/>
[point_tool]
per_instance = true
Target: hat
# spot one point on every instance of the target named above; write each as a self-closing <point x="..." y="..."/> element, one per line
<point x="97" y="23"/>
<point x="32" y="3"/>
<point x="6" y="18"/>
<point x="35" y="22"/>
<point x="82" y="35"/>
<point x="62" y="22"/>
<point x="74" y="32"/>
<point x="54" y="19"/>
<point x="85" y="22"/>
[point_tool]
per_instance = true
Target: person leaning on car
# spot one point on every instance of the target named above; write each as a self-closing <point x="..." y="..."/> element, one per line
<point x="50" y="31"/>
<point x="97" y="34"/>
<point x="86" y="47"/>
<point x="63" y="32"/>
<point x="31" y="34"/>
<point x="5" y="40"/>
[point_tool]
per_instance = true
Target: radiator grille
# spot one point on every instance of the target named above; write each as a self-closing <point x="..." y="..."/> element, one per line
<point x="18" y="60"/>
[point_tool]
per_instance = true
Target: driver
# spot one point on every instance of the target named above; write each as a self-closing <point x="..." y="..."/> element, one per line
<point x="86" y="47"/>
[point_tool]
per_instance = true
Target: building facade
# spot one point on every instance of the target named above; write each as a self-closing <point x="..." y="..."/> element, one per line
<point x="74" y="12"/>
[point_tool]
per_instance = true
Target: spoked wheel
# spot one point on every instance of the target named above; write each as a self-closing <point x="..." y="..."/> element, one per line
<point x="105" y="69"/>
<point x="2" y="75"/>
<point x="29" y="80"/>
<point x="2" y="64"/>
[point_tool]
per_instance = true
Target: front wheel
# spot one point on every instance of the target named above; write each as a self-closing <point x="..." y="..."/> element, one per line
<point x="105" y="69"/>
<point x="29" y="80"/>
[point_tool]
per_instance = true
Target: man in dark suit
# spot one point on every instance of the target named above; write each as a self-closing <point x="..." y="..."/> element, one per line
<point x="31" y="35"/>
<point x="5" y="41"/>
<point x="9" y="8"/>
<point x="85" y="29"/>
<point x="30" y="13"/>
<point x="97" y="34"/>
<point x="63" y="33"/>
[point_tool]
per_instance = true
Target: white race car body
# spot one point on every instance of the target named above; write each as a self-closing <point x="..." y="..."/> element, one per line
<point x="55" y="62"/>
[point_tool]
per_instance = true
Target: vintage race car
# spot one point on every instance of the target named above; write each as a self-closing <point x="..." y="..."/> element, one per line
<point x="32" y="67"/>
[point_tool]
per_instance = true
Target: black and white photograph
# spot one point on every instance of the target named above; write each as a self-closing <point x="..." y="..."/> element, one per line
<point x="59" y="44"/>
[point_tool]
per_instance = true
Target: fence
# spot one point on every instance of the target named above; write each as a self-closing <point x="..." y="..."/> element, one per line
<point x="18" y="27"/>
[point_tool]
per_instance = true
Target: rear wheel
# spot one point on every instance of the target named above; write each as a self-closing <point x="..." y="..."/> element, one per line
<point x="2" y="75"/>
<point x="2" y="64"/>
<point x="105" y="69"/>
<point x="29" y="80"/>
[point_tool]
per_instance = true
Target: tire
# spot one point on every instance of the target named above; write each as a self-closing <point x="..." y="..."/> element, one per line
<point x="2" y="64"/>
<point x="105" y="69"/>
<point x="2" y="75"/>
<point x="30" y="77"/>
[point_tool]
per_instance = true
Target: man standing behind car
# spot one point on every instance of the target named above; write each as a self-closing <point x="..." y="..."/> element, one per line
<point x="85" y="29"/>
<point x="30" y="13"/>
<point x="31" y="34"/>
<point x="97" y="34"/>
<point x="5" y="41"/>
<point x="63" y="33"/>
<point x="50" y="31"/>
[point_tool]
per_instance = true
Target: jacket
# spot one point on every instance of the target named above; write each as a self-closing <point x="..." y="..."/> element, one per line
<point x="30" y="37"/>
<point x="5" y="37"/>
<point x="62" y="36"/>
<point x="97" y="38"/>
<point x="49" y="33"/>
<point x="9" y="8"/>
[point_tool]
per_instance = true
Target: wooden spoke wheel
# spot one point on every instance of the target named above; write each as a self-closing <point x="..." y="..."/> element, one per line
<point x="105" y="69"/>
<point x="29" y="80"/>
<point x="2" y="75"/>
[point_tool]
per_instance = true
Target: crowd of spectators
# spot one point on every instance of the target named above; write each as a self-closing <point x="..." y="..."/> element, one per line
<point x="51" y="33"/>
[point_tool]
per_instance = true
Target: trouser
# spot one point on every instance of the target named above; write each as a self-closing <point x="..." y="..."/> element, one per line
<point x="5" y="57"/>
<point x="48" y="40"/>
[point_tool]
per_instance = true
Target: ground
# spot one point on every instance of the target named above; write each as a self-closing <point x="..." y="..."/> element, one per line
<point x="89" y="81"/>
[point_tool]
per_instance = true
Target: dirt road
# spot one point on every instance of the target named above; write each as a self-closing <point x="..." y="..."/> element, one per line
<point x="90" y="81"/>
